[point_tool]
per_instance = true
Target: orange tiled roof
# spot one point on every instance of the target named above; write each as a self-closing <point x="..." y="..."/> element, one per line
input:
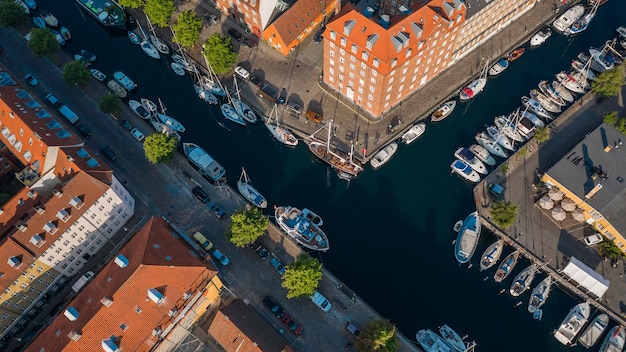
<point x="156" y="260"/>
<point x="10" y="249"/>
<point x="299" y="16"/>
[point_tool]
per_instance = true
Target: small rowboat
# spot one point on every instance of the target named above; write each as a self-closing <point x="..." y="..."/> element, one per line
<point x="443" y="111"/>
<point x="65" y="33"/>
<point x="178" y="69"/>
<point x="515" y="54"/>
<point x="98" y="75"/>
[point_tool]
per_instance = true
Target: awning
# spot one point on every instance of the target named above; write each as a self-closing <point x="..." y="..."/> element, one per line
<point x="586" y="277"/>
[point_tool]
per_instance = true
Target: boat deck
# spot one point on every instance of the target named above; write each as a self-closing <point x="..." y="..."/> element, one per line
<point x="299" y="225"/>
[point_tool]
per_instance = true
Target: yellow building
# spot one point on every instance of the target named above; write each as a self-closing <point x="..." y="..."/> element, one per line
<point x="592" y="175"/>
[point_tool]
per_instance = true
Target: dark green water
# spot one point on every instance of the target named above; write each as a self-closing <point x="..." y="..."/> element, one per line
<point x="390" y="230"/>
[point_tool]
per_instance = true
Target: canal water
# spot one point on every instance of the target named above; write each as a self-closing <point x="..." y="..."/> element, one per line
<point x="391" y="229"/>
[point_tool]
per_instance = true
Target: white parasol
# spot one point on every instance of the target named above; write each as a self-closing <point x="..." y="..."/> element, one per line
<point x="578" y="214"/>
<point x="546" y="203"/>
<point x="555" y="194"/>
<point x="568" y="204"/>
<point x="558" y="214"/>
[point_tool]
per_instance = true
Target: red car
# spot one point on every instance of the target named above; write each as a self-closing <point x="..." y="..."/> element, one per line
<point x="292" y="325"/>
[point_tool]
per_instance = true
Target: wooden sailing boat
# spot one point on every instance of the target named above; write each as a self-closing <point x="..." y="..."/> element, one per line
<point x="330" y="155"/>
<point x="281" y="134"/>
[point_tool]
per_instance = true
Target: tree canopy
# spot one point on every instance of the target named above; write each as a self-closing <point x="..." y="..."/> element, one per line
<point x="159" y="11"/>
<point x="76" y="73"/>
<point x="246" y="226"/>
<point x="133" y="4"/>
<point x="187" y="28"/>
<point x="542" y="134"/>
<point x="608" y="83"/>
<point x="42" y="42"/>
<point x="608" y="249"/>
<point x="610" y="117"/>
<point x="378" y="336"/>
<point x="302" y="277"/>
<point x="220" y="53"/>
<point x="504" y="213"/>
<point x="159" y="147"/>
<point x="110" y="104"/>
<point x="11" y="14"/>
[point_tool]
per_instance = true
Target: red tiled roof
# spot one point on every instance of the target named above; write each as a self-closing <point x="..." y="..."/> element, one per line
<point x="299" y="16"/>
<point x="156" y="260"/>
<point x="10" y="249"/>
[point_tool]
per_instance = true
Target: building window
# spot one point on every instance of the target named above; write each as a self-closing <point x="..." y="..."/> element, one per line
<point x="394" y="62"/>
<point x="364" y="56"/>
<point x="376" y="63"/>
<point x="354" y="48"/>
<point x="331" y="70"/>
<point x="331" y="62"/>
<point x="333" y="35"/>
<point x="342" y="60"/>
<point x="352" y="67"/>
<point x="352" y="58"/>
<point x="331" y="44"/>
<point x="331" y="53"/>
<point x="409" y="52"/>
<point x="343" y="42"/>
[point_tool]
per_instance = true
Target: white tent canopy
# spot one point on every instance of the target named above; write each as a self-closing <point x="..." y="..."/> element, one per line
<point x="586" y="277"/>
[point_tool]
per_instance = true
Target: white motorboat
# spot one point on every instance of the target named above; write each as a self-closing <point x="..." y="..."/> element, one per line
<point x="452" y="338"/>
<point x="244" y="110"/>
<point x="230" y="113"/>
<point x="583" y="69"/>
<point x="569" y="82"/>
<point x="303" y="226"/>
<point x="170" y="122"/>
<point x="139" y="109"/>
<point x="562" y="92"/>
<point x="492" y="146"/>
<point x="614" y="340"/>
<point x="540" y="37"/>
<point x="482" y="154"/>
<point x="49" y="18"/>
<point x="594" y="330"/>
<point x="546" y="102"/>
<point x="431" y="342"/>
<point x="500" y="138"/>
<point x="534" y="106"/>
<point x="443" y="111"/>
<point x="205" y="95"/>
<point x="203" y="161"/>
<point x="470" y="91"/>
<point x="540" y="294"/>
<point x="464" y="170"/>
<point x="250" y="193"/>
<point x="117" y="89"/>
<point x="178" y="69"/>
<point x="491" y="255"/>
<point x="467" y="238"/>
<point x="580" y="78"/>
<point x="413" y="133"/>
<point x="621" y="31"/>
<point x="600" y="61"/>
<point x="525" y="126"/>
<point x="573" y="323"/>
<point x="568" y="18"/>
<point x="149" y="105"/>
<point x="506" y="266"/>
<point x="98" y="75"/>
<point x="124" y="80"/>
<point x="523" y="280"/>
<point x="470" y="159"/>
<point x="384" y="155"/>
<point x="548" y="91"/>
<point x="509" y="127"/>
<point x="281" y="134"/>
<point x="499" y="67"/>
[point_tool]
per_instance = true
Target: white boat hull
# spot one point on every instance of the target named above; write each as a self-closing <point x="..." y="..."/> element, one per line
<point x="384" y="155"/>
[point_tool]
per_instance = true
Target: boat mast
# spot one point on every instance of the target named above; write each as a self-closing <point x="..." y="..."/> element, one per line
<point x="145" y="37"/>
<point x="330" y="123"/>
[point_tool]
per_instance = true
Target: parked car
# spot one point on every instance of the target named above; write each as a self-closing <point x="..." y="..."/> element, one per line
<point x="53" y="100"/>
<point x="274" y="307"/>
<point x="257" y="81"/>
<point x="199" y="193"/>
<point x="318" y="38"/>
<point x="277" y="265"/>
<point x="220" y="257"/>
<point x="353" y="329"/>
<point x="593" y="239"/>
<point x="84" y="130"/>
<point x="242" y="72"/>
<point x="262" y="252"/>
<point x="127" y="125"/>
<point x="236" y="35"/>
<point x="137" y="134"/>
<point x="108" y="152"/>
<point x="294" y="327"/>
<point x="321" y="301"/>
<point x="216" y="209"/>
<point x="212" y="19"/>
<point x="31" y="80"/>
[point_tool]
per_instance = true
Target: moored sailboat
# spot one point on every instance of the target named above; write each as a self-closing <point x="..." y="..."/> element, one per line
<point x="330" y="155"/>
<point x="467" y="238"/>
<point x="281" y="134"/>
<point x="614" y="340"/>
<point x="170" y="122"/>
<point x="452" y="338"/>
<point x="492" y="147"/>
<point x="540" y="294"/>
<point x="545" y="102"/>
<point x="156" y="41"/>
<point x="569" y="82"/>
<point x="250" y="193"/>
<point x="594" y="330"/>
<point x="491" y="255"/>
<point x="507" y="265"/>
<point x="475" y="87"/>
<point x="303" y="226"/>
<point x="534" y="106"/>
<point x="523" y="280"/>
<point x="500" y="137"/>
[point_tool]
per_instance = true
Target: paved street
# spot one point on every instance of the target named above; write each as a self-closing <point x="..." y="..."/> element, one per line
<point x="168" y="192"/>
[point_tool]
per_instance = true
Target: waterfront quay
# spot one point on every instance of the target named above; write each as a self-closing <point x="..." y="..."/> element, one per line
<point x="539" y="237"/>
<point x="299" y="76"/>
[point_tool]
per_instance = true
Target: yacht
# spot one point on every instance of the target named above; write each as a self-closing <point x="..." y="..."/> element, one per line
<point x="492" y="147"/>
<point x="303" y="226"/>
<point x="470" y="159"/>
<point x="203" y="161"/>
<point x="568" y="18"/>
<point x="523" y="280"/>
<point x="498" y="67"/>
<point x="573" y="323"/>
<point x="614" y="340"/>
<point x="472" y="89"/>
<point x="540" y="37"/>
<point x="594" y="330"/>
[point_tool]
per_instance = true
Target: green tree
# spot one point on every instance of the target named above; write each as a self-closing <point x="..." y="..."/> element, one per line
<point x="504" y="168"/>
<point x="133" y="4"/>
<point x="42" y="42"/>
<point x="159" y="147"/>
<point x="187" y="28"/>
<point x="159" y="11"/>
<point x="246" y="226"/>
<point x="542" y="134"/>
<point x="504" y="213"/>
<point x="621" y="125"/>
<point x="608" y="249"/>
<point x="220" y="53"/>
<point x="610" y="117"/>
<point x="523" y="152"/>
<point x="608" y="83"/>
<point x="302" y="277"/>
<point x="378" y="336"/>
<point x="76" y="73"/>
<point x="110" y="104"/>
<point x="11" y="14"/>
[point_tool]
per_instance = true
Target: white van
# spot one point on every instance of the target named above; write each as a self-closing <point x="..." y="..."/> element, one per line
<point x="321" y="301"/>
<point x="68" y="114"/>
<point x="82" y="281"/>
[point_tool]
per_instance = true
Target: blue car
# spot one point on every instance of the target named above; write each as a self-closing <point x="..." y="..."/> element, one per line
<point x="277" y="265"/>
<point x="220" y="257"/>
